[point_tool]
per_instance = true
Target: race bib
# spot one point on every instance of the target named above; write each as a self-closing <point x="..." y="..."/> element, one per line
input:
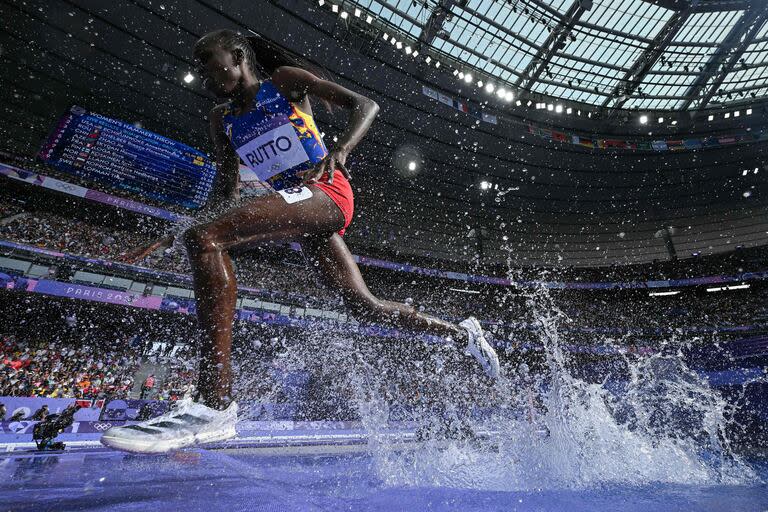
<point x="275" y="148"/>
<point x="295" y="194"/>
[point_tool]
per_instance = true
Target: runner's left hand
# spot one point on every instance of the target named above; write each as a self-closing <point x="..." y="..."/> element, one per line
<point x="336" y="159"/>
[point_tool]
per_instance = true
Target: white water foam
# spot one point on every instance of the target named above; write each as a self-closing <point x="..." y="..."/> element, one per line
<point x="538" y="430"/>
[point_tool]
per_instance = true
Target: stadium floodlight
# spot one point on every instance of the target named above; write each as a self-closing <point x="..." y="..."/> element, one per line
<point x="479" y="83"/>
<point x="411" y="166"/>
<point x="674" y="122"/>
<point x="489" y="87"/>
<point x="727" y="115"/>
<point x="399" y="45"/>
<point x="663" y="294"/>
<point x="485" y="185"/>
<point x="357" y="13"/>
<point x="661" y="120"/>
<point x="369" y="19"/>
<point x="344" y="15"/>
<point x="321" y="2"/>
<point x="468" y="78"/>
<point x="509" y="96"/>
<point x="643" y="119"/>
<point x="428" y="59"/>
<point x="408" y="50"/>
<point x="463" y="290"/>
<point x="749" y="111"/>
<point x="736" y="114"/>
<point x="710" y="117"/>
<point x="437" y="63"/>
<point x="745" y="172"/>
<point x="550" y="107"/>
<point x="334" y="8"/>
<point x="386" y="36"/>
<point x="501" y="92"/>
<point x="569" y="110"/>
<point x="742" y="286"/>
<point x="415" y="53"/>
<point x="518" y="103"/>
<point x="461" y="75"/>
<point x="455" y="72"/>
<point x="559" y="109"/>
<point x="188" y="78"/>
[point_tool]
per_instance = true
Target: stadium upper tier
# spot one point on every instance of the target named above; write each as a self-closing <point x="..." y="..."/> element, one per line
<point x="449" y="170"/>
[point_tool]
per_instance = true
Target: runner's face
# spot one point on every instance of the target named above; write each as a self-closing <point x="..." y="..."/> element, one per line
<point x="219" y="73"/>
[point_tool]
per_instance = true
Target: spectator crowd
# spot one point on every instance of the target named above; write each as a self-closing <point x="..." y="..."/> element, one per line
<point x="51" y="369"/>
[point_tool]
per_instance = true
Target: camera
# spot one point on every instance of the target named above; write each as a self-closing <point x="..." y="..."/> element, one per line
<point x="45" y="432"/>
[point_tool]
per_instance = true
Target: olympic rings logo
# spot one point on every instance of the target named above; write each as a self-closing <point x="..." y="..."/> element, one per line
<point x="101" y="427"/>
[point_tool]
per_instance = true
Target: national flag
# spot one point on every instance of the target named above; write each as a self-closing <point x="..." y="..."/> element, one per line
<point x="644" y="145"/>
<point x="675" y="145"/>
<point x="692" y="143"/>
<point x="445" y="99"/>
<point x="429" y="92"/>
<point x="490" y="118"/>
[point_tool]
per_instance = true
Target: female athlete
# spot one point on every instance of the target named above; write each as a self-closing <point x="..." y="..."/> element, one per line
<point x="268" y="124"/>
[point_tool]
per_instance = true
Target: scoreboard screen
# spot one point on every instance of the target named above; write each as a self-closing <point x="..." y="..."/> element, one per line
<point x="120" y="155"/>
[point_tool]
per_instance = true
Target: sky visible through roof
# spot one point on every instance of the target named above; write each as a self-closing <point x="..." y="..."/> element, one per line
<point x="600" y="49"/>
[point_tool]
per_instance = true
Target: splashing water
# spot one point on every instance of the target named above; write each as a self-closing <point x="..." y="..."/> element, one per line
<point x="551" y="430"/>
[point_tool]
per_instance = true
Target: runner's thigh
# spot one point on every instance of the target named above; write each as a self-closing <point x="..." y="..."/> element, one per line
<point x="285" y="215"/>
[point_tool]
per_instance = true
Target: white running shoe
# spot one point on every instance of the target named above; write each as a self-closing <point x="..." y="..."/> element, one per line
<point x="187" y="424"/>
<point x="479" y="348"/>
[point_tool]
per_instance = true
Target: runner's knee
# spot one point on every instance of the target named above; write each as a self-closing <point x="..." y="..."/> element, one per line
<point x="198" y="240"/>
<point x="366" y="305"/>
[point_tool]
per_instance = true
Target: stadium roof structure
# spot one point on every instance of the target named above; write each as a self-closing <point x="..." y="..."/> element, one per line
<point x="668" y="55"/>
<point x="535" y="187"/>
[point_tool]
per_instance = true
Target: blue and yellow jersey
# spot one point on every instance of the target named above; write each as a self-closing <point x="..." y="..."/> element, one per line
<point x="275" y="139"/>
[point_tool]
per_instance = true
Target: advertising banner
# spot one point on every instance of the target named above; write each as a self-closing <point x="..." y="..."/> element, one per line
<point x="132" y="410"/>
<point x="78" y="427"/>
<point x="40" y="180"/>
<point x="135" y="206"/>
<point x="92" y="293"/>
<point x="29" y="404"/>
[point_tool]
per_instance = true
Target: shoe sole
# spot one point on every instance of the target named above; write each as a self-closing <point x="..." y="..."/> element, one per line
<point x="164" y="446"/>
<point x="487" y="363"/>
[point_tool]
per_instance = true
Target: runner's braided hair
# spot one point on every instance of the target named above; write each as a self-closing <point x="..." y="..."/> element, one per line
<point x="263" y="56"/>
